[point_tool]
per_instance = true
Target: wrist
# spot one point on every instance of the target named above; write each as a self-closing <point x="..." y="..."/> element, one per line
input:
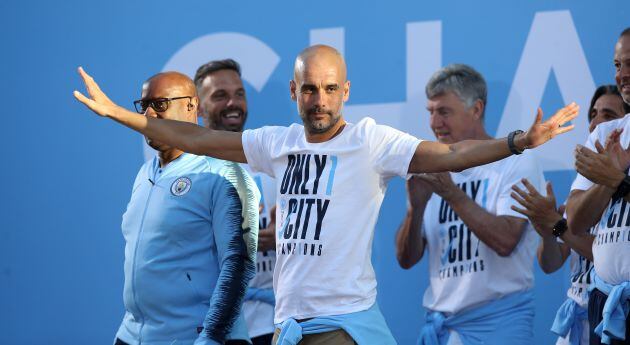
<point x="560" y="228"/>
<point x="616" y="180"/>
<point x="623" y="188"/>
<point x="114" y="113"/>
<point x="552" y="222"/>
<point x="549" y="238"/>
<point x="452" y="194"/>
<point x="521" y="141"/>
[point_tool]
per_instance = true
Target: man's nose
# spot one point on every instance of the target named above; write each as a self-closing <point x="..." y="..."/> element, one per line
<point x="435" y="121"/>
<point x="318" y="98"/>
<point x="151" y="112"/>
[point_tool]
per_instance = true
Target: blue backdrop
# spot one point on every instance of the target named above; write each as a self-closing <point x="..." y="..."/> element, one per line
<point x="67" y="174"/>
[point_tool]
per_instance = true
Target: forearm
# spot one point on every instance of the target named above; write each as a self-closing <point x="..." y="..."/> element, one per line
<point x="585" y="208"/>
<point x="550" y="255"/>
<point x="186" y="136"/>
<point x="497" y="232"/>
<point x="582" y="244"/>
<point x="409" y="241"/>
<point x="437" y="157"/>
<point x="471" y="153"/>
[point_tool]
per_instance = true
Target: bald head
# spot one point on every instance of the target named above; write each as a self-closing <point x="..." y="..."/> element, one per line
<point x="320" y="87"/>
<point x="171" y="85"/>
<point x="172" y="96"/>
<point x="321" y="56"/>
<point x="170" y="81"/>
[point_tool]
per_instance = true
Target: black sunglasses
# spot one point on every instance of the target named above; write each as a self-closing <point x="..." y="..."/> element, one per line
<point x="158" y="104"/>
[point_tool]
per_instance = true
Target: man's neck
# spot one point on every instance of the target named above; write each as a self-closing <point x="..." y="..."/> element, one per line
<point x="169" y="156"/>
<point x="480" y="134"/>
<point x="323" y="137"/>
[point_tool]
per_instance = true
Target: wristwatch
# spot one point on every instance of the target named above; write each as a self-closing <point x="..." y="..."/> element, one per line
<point x="623" y="189"/>
<point x="510" y="140"/>
<point x="560" y="227"/>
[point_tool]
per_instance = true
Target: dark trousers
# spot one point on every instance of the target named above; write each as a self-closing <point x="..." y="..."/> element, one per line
<point x="229" y="342"/>
<point x="596" y="302"/>
<point x="264" y="339"/>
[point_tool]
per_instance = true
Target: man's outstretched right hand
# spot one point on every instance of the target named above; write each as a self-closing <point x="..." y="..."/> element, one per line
<point x="98" y="101"/>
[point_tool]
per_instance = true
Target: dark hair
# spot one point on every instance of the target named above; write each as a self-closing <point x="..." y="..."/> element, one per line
<point x="626" y="31"/>
<point x="606" y="90"/>
<point x="213" y="66"/>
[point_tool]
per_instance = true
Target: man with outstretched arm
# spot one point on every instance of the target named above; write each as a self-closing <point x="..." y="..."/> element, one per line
<point x="190" y="236"/>
<point x="331" y="179"/>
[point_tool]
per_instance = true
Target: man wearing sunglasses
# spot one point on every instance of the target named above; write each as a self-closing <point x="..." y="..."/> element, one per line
<point x="190" y="230"/>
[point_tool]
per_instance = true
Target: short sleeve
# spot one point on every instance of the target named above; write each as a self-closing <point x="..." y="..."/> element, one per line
<point x="391" y="150"/>
<point x="515" y="169"/>
<point x="257" y="145"/>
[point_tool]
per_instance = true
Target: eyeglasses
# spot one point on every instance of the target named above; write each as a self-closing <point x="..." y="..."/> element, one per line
<point x="158" y="104"/>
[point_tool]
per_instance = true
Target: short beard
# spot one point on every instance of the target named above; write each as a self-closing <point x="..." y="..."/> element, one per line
<point x="318" y="128"/>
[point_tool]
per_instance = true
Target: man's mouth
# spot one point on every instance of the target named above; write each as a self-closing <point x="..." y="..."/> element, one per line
<point x="441" y="134"/>
<point x="233" y="117"/>
<point x="319" y="114"/>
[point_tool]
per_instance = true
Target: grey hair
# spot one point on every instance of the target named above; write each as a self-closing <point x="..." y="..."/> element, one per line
<point x="463" y="80"/>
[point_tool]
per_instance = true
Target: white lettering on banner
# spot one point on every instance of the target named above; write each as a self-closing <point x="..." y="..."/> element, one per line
<point x="552" y="46"/>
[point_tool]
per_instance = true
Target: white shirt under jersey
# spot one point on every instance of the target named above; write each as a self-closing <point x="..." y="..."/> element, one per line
<point x="464" y="272"/>
<point x="258" y="314"/>
<point x="580" y="277"/>
<point x="328" y="199"/>
<point x="612" y="234"/>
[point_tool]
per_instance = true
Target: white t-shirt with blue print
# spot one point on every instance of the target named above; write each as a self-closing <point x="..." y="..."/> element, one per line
<point x="328" y="197"/>
<point x="463" y="271"/>
<point x="612" y="234"/>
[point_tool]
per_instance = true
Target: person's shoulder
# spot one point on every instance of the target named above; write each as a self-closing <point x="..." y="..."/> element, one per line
<point x="604" y="128"/>
<point x="278" y="129"/>
<point x="272" y="134"/>
<point x="365" y="124"/>
<point x="368" y="126"/>
<point x="218" y="166"/>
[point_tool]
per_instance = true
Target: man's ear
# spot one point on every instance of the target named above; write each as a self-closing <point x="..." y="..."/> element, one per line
<point x="194" y="104"/>
<point x="478" y="109"/>
<point x="346" y="90"/>
<point x="293" y="89"/>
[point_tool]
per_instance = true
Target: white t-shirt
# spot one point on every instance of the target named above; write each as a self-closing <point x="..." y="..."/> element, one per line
<point x="258" y="314"/>
<point x="611" y="247"/>
<point x="328" y="199"/>
<point x="580" y="278"/>
<point x="464" y="272"/>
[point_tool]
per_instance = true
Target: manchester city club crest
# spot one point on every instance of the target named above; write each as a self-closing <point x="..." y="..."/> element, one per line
<point x="181" y="186"/>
